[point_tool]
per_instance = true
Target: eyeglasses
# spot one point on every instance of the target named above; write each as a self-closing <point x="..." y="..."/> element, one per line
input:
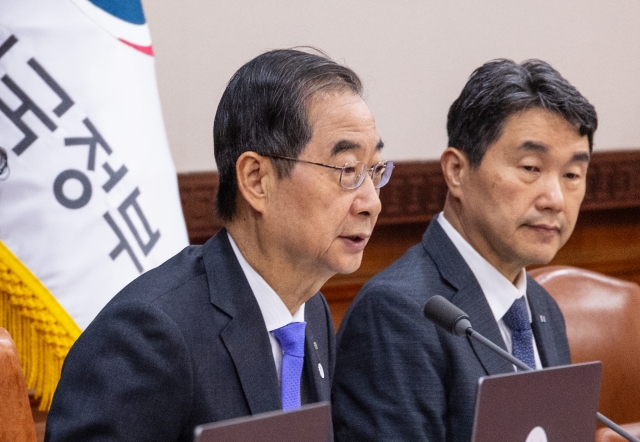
<point x="352" y="174"/>
<point x="4" y="165"/>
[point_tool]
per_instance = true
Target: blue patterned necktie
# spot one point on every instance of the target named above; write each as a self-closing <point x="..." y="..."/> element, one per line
<point x="291" y="339"/>
<point x="517" y="319"/>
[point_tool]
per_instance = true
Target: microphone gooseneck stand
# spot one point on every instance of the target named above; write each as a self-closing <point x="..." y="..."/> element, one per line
<point x="521" y="365"/>
<point x="446" y="315"/>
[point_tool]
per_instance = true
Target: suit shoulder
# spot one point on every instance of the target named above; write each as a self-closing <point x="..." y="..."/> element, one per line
<point x="177" y="274"/>
<point x="413" y="276"/>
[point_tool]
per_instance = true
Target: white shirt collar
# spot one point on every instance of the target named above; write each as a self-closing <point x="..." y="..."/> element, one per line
<point x="498" y="290"/>
<point x="274" y="312"/>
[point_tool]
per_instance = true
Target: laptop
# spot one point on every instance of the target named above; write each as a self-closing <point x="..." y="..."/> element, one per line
<point x="557" y="404"/>
<point x="311" y="423"/>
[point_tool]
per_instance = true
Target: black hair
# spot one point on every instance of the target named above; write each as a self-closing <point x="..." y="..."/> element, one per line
<point x="500" y="88"/>
<point x="264" y="110"/>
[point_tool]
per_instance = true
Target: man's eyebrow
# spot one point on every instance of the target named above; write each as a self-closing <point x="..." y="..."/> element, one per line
<point x="539" y="147"/>
<point x="581" y="157"/>
<point x="346" y="145"/>
<point x="533" y="146"/>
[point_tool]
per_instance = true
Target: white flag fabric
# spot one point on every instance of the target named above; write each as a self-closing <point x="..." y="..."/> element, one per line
<point x="90" y="199"/>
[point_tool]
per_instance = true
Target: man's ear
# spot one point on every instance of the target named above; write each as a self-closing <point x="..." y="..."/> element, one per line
<point x="455" y="167"/>
<point x="253" y="173"/>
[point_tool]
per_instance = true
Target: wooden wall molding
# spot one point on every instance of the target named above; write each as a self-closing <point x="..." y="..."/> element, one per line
<point x="417" y="191"/>
<point x="613" y="181"/>
<point x="198" y="195"/>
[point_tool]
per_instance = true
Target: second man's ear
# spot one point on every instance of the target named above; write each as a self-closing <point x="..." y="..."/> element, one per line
<point x="455" y="167"/>
<point x="255" y="175"/>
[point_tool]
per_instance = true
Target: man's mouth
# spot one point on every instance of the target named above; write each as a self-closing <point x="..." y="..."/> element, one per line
<point x="545" y="230"/>
<point x="548" y="227"/>
<point x="357" y="240"/>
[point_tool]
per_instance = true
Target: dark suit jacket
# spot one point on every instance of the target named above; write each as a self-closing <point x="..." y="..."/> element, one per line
<point x="184" y="344"/>
<point x="399" y="377"/>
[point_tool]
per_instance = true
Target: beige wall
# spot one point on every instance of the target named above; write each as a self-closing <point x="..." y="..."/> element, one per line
<point x="414" y="57"/>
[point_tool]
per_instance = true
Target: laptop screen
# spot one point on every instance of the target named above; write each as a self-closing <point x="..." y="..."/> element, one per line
<point x="548" y="405"/>
<point x="311" y="423"/>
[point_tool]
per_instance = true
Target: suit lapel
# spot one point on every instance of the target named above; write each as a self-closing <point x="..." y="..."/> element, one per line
<point x="251" y="353"/>
<point x="245" y="337"/>
<point x="315" y="371"/>
<point x="468" y="296"/>
<point x="484" y="323"/>
<point x="542" y="330"/>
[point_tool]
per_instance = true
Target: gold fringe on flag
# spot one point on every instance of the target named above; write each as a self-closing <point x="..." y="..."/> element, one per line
<point x="42" y="330"/>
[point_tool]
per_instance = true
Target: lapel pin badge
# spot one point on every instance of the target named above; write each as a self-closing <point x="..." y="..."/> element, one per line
<point x="543" y="318"/>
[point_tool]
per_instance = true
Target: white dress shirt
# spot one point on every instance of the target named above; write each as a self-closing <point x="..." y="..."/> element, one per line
<point x="273" y="310"/>
<point x="498" y="290"/>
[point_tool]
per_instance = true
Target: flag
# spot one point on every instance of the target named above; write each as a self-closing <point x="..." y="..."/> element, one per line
<point x="89" y="198"/>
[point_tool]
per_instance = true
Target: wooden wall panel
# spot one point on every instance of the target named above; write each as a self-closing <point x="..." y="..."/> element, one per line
<point x="606" y="239"/>
<point x="197" y="195"/>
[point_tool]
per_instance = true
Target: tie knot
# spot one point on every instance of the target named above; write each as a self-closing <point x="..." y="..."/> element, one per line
<point x="291" y="338"/>
<point x="517" y="317"/>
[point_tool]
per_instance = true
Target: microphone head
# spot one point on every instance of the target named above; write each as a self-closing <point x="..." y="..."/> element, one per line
<point x="446" y="315"/>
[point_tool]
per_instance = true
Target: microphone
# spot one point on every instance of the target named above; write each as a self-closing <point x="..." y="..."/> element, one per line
<point x="444" y="314"/>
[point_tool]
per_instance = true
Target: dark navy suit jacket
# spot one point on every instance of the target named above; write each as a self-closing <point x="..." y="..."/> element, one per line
<point x="399" y="377"/>
<point x="184" y="344"/>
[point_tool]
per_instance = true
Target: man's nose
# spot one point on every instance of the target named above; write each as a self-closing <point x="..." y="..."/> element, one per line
<point x="367" y="200"/>
<point x="552" y="196"/>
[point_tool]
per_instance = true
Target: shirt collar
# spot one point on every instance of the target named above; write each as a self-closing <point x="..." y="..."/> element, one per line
<point x="274" y="312"/>
<point x="498" y="290"/>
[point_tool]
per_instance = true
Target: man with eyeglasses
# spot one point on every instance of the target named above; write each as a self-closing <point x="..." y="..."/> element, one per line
<point x="238" y="326"/>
